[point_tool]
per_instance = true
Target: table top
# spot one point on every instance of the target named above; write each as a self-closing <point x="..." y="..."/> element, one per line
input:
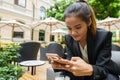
<point x="32" y="63"/>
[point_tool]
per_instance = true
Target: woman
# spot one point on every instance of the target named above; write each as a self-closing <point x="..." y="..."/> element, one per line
<point x="88" y="49"/>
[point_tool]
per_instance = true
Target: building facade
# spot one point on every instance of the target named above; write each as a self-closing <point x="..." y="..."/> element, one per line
<point x="25" y="12"/>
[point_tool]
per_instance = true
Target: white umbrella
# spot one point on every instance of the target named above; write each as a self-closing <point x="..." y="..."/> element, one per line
<point x="61" y="31"/>
<point x="109" y="23"/>
<point x="50" y="24"/>
<point x="13" y="24"/>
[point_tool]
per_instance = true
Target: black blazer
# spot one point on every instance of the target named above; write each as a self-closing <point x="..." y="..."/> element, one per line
<point x="99" y="54"/>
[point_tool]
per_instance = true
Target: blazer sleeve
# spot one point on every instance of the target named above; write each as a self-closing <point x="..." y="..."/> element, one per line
<point x="104" y="65"/>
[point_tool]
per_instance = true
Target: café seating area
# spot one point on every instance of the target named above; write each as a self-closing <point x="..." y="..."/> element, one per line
<point x="37" y="51"/>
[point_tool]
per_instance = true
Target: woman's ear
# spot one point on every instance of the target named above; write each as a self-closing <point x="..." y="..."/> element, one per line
<point x="90" y="22"/>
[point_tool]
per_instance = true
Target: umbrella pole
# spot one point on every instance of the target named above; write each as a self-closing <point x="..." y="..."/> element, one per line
<point x="32" y="32"/>
<point x="50" y="32"/>
<point x="59" y="38"/>
<point x="109" y="26"/>
<point x="12" y="32"/>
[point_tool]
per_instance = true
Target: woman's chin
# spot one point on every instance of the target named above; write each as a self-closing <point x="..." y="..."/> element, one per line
<point x="76" y="39"/>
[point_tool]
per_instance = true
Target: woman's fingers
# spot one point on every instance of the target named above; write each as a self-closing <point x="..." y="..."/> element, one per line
<point x="73" y="61"/>
<point x="63" y="61"/>
<point x="75" y="58"/>
<point x="69" y="65"/>
<point x="57" y="65"/>
<point x="68" y="62"/>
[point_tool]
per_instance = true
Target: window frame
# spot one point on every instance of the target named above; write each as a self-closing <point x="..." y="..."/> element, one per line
<point x="42" y="10"/>
<point x="20" y="33"/>
<point x="16" y="2"/>
<point x="41" y="35"/>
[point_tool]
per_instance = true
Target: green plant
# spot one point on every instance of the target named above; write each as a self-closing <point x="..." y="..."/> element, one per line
<point x="63" y="40"/>
<point x="118" y="41"/>
<point x="9" y="71"/>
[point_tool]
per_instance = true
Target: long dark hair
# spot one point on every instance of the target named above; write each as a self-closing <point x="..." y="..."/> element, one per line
<point x="84" y="11"/>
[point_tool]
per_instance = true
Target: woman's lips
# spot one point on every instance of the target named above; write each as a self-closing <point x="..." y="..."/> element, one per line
<point x="75" y="37"/>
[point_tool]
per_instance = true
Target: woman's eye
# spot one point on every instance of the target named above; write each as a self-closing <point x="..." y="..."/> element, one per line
<point x="69" y="28"/>
<point x="78" y="27"/>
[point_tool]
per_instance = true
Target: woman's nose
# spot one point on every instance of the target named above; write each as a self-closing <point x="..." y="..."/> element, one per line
<point x="73" y="32"/>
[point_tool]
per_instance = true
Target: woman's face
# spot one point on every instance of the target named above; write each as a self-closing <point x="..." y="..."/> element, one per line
<point x="77" y="28"/>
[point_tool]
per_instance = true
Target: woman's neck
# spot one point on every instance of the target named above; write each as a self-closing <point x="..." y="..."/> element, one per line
<point x="83" y="43"/>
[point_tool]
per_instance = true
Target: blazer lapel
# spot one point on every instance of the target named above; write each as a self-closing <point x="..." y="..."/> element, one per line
<point x="78" y="52"/>
<point x="90" y="47"/>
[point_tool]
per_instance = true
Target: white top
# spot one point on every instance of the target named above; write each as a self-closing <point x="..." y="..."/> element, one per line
<point x="84" y="53"/>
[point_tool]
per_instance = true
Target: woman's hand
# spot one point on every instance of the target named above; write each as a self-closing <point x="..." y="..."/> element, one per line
<point x="79" y="67"/>
<point x="76" y="65"/>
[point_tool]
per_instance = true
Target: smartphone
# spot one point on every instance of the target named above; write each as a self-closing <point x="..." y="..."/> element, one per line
<point x="53" y="56"/>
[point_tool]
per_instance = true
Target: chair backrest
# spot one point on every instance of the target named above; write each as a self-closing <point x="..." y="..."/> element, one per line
<point x="28" y="51"/>
<point x="43" y="53"/>
<point x="115" y="47"/>
<point x="55" y="48"/>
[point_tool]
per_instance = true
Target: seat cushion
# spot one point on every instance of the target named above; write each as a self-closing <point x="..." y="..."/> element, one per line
<point x="116" y="57"/>
<point x="50" y="74"/>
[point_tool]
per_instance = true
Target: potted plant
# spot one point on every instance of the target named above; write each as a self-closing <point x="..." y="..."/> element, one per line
<point x="9" y="71"/>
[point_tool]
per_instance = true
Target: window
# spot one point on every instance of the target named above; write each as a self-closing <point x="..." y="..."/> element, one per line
<point x="18" y="34"/>
<point x="42" y="13"/>
<point x="20" y="2"/>
<point x="41" y="35"/>
<point x="53" y="37"/>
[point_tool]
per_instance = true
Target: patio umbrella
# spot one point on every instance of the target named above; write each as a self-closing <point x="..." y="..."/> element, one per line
<point x="109" y="23"/>
<point x="50" y="24"/>
<point x="13" y="24"/>
<point x="60" y="31"/>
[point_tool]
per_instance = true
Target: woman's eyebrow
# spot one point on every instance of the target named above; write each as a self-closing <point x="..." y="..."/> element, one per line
<point x="77" y="25"/>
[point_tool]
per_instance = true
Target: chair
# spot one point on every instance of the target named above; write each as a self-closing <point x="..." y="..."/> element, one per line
<point x="43" y="53"/>
<point x="116" y="57"/>
<point x="28" y="51"/>
<point x="51" y="74"/>
<point x="56" y="49"/>
<point x="51" y="48"/>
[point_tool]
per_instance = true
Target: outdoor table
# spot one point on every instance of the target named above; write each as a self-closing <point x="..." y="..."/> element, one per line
<point x="32" y="64"/>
